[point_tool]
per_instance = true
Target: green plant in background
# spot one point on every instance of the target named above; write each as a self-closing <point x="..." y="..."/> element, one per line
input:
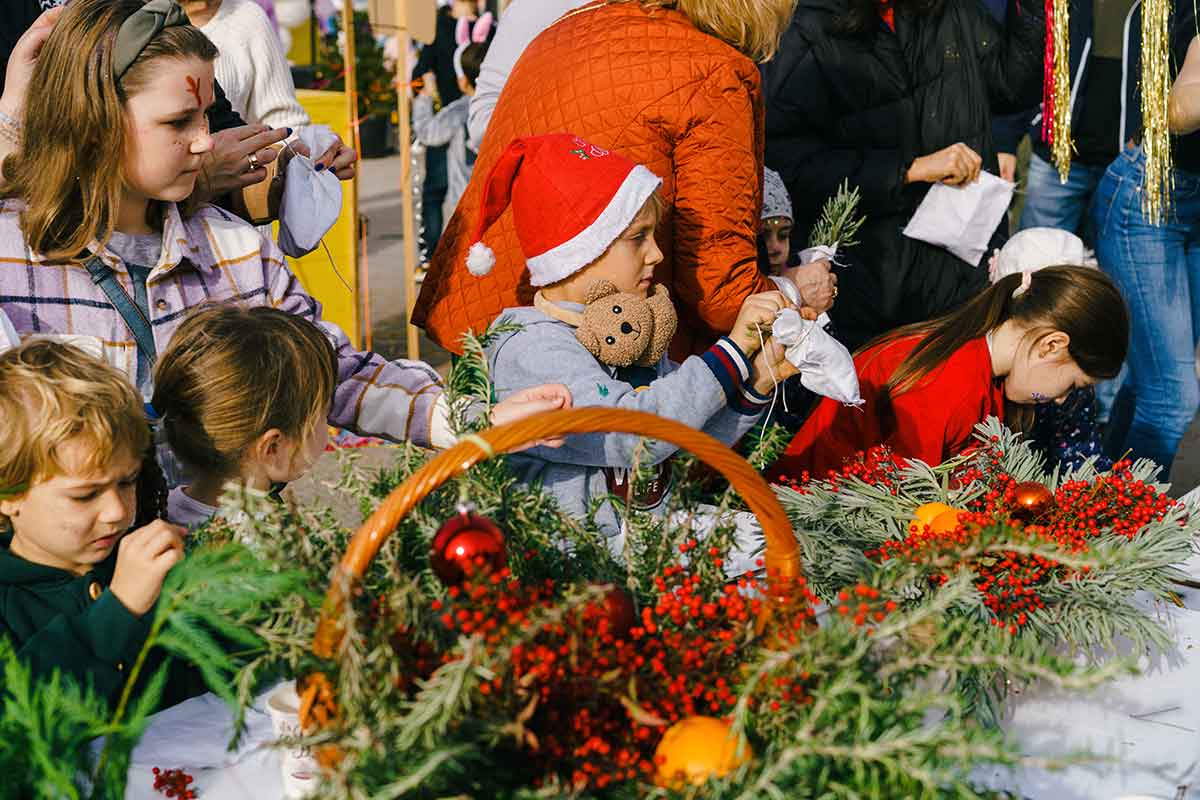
<point x="373" y="75"/>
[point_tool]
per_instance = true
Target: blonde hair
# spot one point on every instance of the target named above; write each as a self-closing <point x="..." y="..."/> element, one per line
<point x="77" y="112"/>
<point x="753" y="27"/>
<point x="230" y="374"/>
<point x="53" y="393"/>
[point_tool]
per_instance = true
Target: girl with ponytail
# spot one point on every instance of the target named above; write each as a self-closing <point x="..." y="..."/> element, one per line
<point x="1031" y="338"/>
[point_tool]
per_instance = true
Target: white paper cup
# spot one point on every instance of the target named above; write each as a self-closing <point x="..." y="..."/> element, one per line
<point x="300" y="770"/>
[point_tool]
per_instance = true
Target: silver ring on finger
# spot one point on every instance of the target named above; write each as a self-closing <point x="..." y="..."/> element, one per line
<point x="254" y="162"/>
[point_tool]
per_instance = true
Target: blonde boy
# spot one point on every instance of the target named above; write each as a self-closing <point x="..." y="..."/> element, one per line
<point x="76" y="588"/>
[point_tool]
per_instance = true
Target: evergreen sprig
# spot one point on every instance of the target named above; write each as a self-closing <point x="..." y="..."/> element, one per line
<point x="839" y="222"/>
<point x="211" y="606"/>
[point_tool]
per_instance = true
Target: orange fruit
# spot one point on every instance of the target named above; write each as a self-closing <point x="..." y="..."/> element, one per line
<point x="945" y="522"/>
<point x="926" y="514"/>
<point x="696" y="749"/>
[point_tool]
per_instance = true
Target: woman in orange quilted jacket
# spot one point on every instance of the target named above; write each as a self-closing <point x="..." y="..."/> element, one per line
<point x="671" y="84"/>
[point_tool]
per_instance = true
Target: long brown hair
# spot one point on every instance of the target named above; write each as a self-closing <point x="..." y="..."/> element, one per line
<point x="1081" y="302"/>
<point x="753" y="27"/>
<point x="230" y="374"/>
<point x="69" y="168"/>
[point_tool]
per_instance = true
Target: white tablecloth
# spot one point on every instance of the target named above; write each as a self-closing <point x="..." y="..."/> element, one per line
<point x="192" y="736"/>
<point x="1146" y="724"/>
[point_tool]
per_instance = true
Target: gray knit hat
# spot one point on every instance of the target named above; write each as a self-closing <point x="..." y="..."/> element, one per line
<point x="776" y="202"/>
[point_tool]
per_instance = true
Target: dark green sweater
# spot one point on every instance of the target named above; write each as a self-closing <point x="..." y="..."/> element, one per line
<point x="74" y="623"/>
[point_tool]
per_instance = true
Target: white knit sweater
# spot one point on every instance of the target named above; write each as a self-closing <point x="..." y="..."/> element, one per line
<point x="252" y="67"/>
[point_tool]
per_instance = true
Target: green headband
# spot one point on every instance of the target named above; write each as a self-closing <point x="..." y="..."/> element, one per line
<point x="140" y="28"/>
<point x="13" y="491"/>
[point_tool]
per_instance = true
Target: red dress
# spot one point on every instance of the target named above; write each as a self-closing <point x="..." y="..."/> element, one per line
<point x="932" y="421"/>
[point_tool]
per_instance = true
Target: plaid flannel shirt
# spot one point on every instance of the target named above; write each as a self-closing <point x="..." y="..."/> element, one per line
<point x="210" y="256"/>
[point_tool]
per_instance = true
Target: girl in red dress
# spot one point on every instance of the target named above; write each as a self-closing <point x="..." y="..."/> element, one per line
<point x="1030" y="338"/>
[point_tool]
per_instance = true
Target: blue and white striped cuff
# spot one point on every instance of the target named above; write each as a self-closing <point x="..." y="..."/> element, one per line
<point x="729" y="365"/>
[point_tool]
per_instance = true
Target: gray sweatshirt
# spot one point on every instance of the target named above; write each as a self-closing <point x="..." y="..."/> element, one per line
<point x="707" y="392"/>
<point x="447" y="127"/>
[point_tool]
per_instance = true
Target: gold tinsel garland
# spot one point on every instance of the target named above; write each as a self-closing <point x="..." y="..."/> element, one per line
<point x="1057" y="106"/>
<point x="1156" y="90"/>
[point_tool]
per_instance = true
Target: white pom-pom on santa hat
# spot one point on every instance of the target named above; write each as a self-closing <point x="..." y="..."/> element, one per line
<point x="480" y="259"/>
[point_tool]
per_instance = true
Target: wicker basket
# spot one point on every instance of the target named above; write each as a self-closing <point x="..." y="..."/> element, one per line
<point x="782" y="556"/>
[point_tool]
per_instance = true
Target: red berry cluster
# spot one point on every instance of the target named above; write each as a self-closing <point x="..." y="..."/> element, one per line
<point x="1006" y="580"/>
<point x="174" y="783"/>
<point x="591" y="693"/>
<point x="864" y="606"/>
<point x="1081" y="511"/>
<point x="984" y="465"/>
<point x="1115" y="500"/>
<point x="878" y="466"/>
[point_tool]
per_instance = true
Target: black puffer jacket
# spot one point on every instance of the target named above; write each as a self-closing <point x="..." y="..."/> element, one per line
<point x="863" y="108"/>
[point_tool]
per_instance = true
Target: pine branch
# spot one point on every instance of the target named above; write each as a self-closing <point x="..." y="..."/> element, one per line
<point x="839" y="222"/>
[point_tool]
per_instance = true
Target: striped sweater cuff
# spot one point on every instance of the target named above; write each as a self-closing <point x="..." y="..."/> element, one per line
<point x="730" y="367"/>
<point x="750" y="402"/>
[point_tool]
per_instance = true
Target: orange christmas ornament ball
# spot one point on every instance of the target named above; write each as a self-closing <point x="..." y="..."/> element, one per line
<point x="698" y="748"/>
<point x="1031" y="500"/>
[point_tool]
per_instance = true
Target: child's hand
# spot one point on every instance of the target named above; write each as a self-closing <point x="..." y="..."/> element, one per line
<point x="534" y="400"/>
<point x="771" y="361"/>
<point x="757" y="312"/>
<point x="425" y="85"/>
<point x="143" y="559"/>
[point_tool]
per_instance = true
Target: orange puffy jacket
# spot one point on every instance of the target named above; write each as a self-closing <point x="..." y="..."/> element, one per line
<point x="652" y="87"/>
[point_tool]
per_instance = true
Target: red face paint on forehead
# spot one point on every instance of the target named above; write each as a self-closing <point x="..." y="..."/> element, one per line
<point x="194" y="90"/>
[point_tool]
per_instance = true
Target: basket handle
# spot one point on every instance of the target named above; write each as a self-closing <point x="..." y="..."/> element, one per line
<point x="782" y="555"/>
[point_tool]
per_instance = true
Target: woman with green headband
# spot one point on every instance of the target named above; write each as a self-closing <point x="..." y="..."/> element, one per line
<point x="240" y="151"/>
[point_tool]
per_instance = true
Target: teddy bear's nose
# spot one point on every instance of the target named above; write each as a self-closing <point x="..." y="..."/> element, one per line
<point x="626" y="328"/>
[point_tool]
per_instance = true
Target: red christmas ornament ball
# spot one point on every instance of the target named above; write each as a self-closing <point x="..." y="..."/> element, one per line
<point x="1031" y="500"/>
<point x="619" y="611"/>
<point x="465" y="543"/>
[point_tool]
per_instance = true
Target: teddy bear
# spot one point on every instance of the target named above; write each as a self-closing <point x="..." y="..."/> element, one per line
<point x="622" y="329"/>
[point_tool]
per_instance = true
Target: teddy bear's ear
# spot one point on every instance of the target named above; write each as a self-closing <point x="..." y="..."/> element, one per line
<point x="599" y="290"/>
<point x="589" y="339"/>
<point x="665" y="323"/>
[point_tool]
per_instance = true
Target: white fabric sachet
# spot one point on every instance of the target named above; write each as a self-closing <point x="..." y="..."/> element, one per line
<point x="312" y="201"/>
<point x="826" y="367"/>
<point x="962" y="219"/>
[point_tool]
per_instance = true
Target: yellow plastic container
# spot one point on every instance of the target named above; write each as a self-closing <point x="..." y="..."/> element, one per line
<point x="340" y="304"/>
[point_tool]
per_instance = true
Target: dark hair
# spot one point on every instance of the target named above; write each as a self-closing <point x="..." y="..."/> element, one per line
<point x="862" y="16"/>
<point x="1081" y="302"/>
<point x="472" y="60"/>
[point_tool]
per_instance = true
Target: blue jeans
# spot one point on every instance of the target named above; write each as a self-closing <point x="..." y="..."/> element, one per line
<point x="433" y="192"/>
<point x="1157" y="268"/>
<point x="1049" y="203"/>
